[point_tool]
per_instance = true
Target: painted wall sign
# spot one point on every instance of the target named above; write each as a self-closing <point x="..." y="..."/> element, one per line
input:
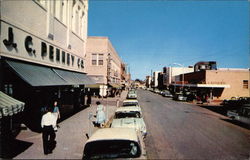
<point x="18" y="43"/>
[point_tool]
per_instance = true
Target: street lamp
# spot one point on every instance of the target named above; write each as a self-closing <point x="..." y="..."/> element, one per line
<point x="182" y="73"/>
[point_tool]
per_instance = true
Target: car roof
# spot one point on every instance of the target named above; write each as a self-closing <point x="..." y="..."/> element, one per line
<point x="114" y="134"/>
<point x="128" y="109"/>
<point x="130" y="100"/>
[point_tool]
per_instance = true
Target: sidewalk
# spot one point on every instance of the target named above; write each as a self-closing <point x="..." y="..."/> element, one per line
<point x="70" y="137"/>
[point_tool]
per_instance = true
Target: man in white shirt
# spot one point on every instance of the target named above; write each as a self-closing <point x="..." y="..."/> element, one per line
<point x="48" y="124"/>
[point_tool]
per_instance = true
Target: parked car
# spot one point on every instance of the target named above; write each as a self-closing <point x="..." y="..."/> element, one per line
<point x="179" y="97"/>
<point x="127" y="112"/>
<point x="241" y="115"/>
<point x="167" y="94"/>
<point x="130" y="102"/>
<point x="135" y="123"/>
<point x="235" y="103"/>
<point x="157" y="91"/>
<point x="109" y="143"/>
<point x="132" y="94"/>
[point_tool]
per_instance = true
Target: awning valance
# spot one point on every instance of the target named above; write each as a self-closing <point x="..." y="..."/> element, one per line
<point x="74" y="77"/>
<point x="93" y="86"/>
<point x="115" y="85"/>
<point x="37" y="75"/>
<point x="9" y="105"/>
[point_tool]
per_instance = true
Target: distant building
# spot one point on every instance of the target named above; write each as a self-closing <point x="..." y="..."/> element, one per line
<point x="148" y="81"/>
<point x="155" y="79"/>
<point x="218" y="84"/>
<point x="104" y="65"/>
<point x="174" y="74"/>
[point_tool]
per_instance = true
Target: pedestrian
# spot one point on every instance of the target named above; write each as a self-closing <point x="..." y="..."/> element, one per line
<point x="100" y="114"/>
<point x="89" y="100"/>
<point x="56" y="112"/>
<point x="48" y="123"/>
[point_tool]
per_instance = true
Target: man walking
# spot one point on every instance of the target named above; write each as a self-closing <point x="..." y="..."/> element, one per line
<point x="48" y="124"/>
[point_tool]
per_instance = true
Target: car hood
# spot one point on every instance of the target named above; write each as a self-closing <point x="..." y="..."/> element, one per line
<point x="136" y="123"/>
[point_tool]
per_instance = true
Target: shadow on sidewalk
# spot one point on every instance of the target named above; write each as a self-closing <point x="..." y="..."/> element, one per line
<point x="14" y="148"/>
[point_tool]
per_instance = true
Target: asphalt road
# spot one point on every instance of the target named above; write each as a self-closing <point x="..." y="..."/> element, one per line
<point x="178" y="130"/>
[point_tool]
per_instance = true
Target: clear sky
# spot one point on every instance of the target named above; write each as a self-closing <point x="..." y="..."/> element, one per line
<point x="151" y="34"/>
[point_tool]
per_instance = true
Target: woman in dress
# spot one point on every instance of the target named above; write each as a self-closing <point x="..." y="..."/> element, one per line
<point x="100" y="114"/>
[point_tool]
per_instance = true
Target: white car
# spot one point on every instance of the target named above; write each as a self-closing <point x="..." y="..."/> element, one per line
<point x="135" y="123"/>
<point x="130" y="102"/>
<point x="123" y="112"/>
<point x="241" y="115"/>
<point x="132" y="96"/>
<point x="110" y="143"/>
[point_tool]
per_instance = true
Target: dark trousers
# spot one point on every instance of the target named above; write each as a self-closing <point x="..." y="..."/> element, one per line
<point x="48" y="139"/>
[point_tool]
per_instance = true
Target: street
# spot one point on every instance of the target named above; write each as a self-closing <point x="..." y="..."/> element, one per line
<point x="178" y="130"/>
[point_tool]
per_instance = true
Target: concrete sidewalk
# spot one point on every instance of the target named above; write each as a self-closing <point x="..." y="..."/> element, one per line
<point x="70" y="137"/>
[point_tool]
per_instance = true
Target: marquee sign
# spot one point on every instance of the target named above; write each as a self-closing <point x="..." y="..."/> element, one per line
<point x="17" y="43"/>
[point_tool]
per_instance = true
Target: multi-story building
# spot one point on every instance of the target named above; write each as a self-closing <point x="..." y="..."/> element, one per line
<point x="104" y="65"/>
<point x="155" y="79"/>
<point x="42" y="57"/>
<point x="125" y="76"/>
<point x="174" y="74"/>
<point x="148" y="81"/>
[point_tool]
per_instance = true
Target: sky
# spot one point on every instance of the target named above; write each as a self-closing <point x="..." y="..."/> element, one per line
<point x="151" y="34"/>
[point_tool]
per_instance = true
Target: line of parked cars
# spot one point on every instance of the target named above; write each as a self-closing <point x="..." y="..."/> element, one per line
<point x="124" y="138"/>
<point x="238" y="109"/>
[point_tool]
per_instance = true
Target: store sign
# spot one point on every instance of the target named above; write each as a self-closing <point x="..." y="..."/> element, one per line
<point x="19" y="44"/>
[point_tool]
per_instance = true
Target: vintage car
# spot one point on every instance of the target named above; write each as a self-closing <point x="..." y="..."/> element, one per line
<point x="167" y="94"/>
<point x="130" y="102"/>
<point x="110" y="143"/>
<point x="235" y="102"/>
<point x="135" y="123"/>
<point x="241" y="115"/>
<point x="179" y="97"/>
<point x="123" y="112"/>
<point x="132" y="95"/>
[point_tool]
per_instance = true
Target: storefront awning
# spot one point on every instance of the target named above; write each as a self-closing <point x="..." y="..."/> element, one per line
<point x="9" y="105"/>
<point x="37" y="75"/>
<point x="74" y="78"/>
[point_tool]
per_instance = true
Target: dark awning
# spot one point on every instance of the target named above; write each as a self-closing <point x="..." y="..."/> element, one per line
<point x="74" y="78"/>
<point x="9" y="105"/>
<point x="37" y="75"/>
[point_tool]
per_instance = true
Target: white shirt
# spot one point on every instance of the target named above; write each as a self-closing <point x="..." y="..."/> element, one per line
<point x="48" y="119"/>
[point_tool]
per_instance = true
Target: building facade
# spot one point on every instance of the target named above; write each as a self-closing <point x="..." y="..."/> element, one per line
<point x="218" y="84"/>
<point x="174" y="74"/>
<point x="104" y="65"/>
<point x="42" y="56"/>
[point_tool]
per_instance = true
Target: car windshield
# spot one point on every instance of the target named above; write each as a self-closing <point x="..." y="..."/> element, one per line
<point x="131" y="114"/>
<point x="112" y="149"/>
<point x="130" y="103"/>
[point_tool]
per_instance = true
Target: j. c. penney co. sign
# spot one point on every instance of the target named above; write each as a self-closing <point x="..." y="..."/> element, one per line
<point x="19" y="44"/>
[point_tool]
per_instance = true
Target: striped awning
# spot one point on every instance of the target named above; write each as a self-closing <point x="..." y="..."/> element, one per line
<point x="9" y="106"/>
